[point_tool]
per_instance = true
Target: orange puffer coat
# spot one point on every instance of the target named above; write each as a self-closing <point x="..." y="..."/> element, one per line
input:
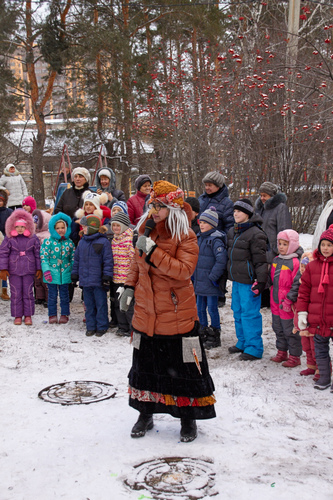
<point x="164" y="295"/>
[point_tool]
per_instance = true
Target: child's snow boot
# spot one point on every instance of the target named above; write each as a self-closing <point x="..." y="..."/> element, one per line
<point x="234" y="350"/>
<point x="280" y="356"/>
<point x="4" y="295"/>
<point x="292" y="362"/>
<point x="322" y="384"/>
<point x="203" y="333"/>
<point x="53" y="320"/>
<point x="63" y="319"/>
<point x="18" y="321"/>
<point x="28" y="320"/>
<point x="144" y="423"/>
<point x="308" y="371"/>
<point x="213" y="338"/>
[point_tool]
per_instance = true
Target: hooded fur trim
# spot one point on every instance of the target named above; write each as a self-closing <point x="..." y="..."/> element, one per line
<point x="20" y="213"/>
<point x="9" y="174"/>
<point x="112" y="184"/>
<point x="272" y="202"/>
<point x="53" y="221"/>
<point x="43" y="220"/>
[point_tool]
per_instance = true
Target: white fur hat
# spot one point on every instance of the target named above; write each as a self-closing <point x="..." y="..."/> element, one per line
<point x="96" y="199"/>
<point x="82" y="171"/>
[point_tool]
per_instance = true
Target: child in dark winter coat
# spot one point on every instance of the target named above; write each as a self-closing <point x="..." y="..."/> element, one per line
<point x="248" y="269"/>
<point x="212" y="263"/>
<point x="20" y="261"/>
<point x="4" y="214"/>
<point x="315" y="305"/>
<point x="285" y="276"/>
<point x="93" y="267"/>
<point x="57" y="257"/>
<point x="195" y="206"/>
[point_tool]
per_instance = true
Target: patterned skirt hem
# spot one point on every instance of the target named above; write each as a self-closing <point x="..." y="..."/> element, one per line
<point x="169" y="400"/>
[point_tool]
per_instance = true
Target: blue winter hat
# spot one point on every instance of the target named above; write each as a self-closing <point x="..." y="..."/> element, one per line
<point x="122" y="205"/>
<point x="211" y="216"/>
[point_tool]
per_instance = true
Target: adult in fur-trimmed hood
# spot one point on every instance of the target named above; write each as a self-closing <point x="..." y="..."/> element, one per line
<point x="20" y="261"/>
<point x="106" y="183"/>
<point x="165" y="323"/>
<point x="271" y="206"/>
<point x="16" y="188"/>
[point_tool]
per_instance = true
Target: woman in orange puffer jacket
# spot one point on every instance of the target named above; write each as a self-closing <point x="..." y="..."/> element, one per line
<point x="169" y="372"/>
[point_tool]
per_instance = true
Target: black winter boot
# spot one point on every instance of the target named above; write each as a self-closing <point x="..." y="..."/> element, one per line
<point x="188" y="430"/>
<point x="144" y="423"/>
<point x="213" y="338"/>
<point x="203" y="333"/>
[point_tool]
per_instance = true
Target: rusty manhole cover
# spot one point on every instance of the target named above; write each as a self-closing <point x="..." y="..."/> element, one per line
<point x="174" y="477"/>
<point x="79" y="392"/>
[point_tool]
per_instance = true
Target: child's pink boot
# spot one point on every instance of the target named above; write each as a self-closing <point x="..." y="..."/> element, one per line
<point x="280" y="356"/>
<point x="28" y="320"/>
<point x="308" y="371"/>
<point x="292" y="362"/>
<point x="18" y="321"/>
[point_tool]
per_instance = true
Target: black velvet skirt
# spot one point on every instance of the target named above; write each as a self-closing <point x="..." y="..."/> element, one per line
<point x="170" y="374"/>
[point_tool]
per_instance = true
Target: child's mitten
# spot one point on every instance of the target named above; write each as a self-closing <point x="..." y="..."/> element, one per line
<point x="286" y="305"/>
<point x="258" y="288"/>
<point x="48" y="276"/>
<point x="302" y="320"/>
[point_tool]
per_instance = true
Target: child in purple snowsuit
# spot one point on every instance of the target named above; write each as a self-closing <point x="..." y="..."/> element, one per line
<point x="20" y="261"/>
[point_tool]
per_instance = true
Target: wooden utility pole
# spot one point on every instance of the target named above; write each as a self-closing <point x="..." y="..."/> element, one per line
<point x="293" y="27"/>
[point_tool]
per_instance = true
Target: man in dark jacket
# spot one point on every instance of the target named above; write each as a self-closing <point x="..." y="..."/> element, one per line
<point x="271" y="206"/>
<point x="217" y="195"/>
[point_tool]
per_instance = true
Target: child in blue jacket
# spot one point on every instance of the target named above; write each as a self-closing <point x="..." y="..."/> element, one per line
<point x="212" y="263"/>
<point x="93" y="267"/>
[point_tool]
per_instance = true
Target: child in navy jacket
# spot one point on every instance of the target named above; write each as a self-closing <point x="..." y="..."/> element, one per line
<point x="212" y="263"/>
<point x="93" y="267"/>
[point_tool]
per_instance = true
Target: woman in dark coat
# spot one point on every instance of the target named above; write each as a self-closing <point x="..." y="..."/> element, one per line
<point x="169" y="371"/>
<point x="71" y="198"/>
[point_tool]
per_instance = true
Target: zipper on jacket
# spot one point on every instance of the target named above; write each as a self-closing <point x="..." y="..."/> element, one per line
<point x="231" y="257"/>
<point x="174" y="299"/>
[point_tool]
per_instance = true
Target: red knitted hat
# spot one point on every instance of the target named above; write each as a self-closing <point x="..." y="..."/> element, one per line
<point x="327" y="235"/>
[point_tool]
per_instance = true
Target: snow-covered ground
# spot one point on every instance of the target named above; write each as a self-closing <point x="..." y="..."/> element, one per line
<point x="272" y="438"/>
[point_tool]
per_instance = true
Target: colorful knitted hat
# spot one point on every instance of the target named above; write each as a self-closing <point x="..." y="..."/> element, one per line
<point x="30" y="202"/>
<point x="327" y="235"/>
<point x="122" y="205"/>
<point x="121" y="219"/>
<point x="93" y="222"/>
<point x="244" y="205"/>
<point x="214" y="178"/>
<point x="210" y="216"/>
<point x="291" y="236"/>
<point x="140" y="181"/>
<point x="168" y="194"/>
<point x="268" y="188"/>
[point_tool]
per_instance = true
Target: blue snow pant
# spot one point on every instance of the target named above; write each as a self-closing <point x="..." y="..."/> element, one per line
<point x="209" y="302"/>
<point x="286" y="340"/>
<point x="248" y="320"/>
<point x="52" y="299"/>
<point x="322" y="349"/>
<point x="95" y="300"/>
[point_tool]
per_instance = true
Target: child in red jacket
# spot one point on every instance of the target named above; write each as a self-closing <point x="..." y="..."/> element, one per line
<point x="315" y="305"/>
<point x="285" y="277"/>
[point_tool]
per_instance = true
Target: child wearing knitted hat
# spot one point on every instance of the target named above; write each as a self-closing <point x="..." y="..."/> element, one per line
<point x="123" y="252"/>
<point x="20" y="261"/>
<point x="248" y="270"/>
<point x="284" y="277"/>
<point x="307" y="337"/>
<point x="93" y="268"/>
<point x="315" y="305"/>
<point x="212" y="263"/>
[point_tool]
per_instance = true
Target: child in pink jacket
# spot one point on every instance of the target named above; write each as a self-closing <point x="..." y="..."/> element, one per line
<point x="285" y="276"/>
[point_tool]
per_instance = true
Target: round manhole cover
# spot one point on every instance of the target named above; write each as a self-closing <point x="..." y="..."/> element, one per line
<point x="79" y="392"/>
<point x="174" y="477"/>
